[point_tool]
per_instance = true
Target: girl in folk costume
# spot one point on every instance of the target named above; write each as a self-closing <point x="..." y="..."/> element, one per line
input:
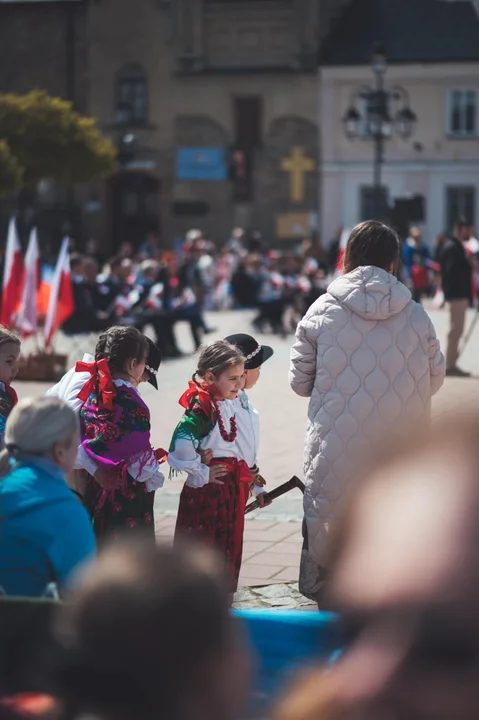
<point x="214" y="497"/>
<point x="115" y="450"/>
<point x="9" y="353"/>
<point x="247" y="418"/>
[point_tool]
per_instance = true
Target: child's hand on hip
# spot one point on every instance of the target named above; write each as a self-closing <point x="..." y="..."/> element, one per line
<point x="216" y="473"/>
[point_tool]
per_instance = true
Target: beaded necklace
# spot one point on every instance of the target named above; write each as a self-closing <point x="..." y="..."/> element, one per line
<point x="231" y="436"/>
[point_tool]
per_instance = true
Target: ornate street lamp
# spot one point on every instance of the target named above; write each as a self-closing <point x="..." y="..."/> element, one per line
<point x="384" y="111"/>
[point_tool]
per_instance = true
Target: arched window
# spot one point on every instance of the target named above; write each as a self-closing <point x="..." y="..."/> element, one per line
<point x="132" y="96"/>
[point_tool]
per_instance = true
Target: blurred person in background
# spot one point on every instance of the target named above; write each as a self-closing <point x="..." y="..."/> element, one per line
<point x="416" y="265"/>
<point x="271" y="302"/>
<point x="456" y="281"/>
<point x="89" y="314"/>
<point x="150" y="249"/>
<point x="180" y="300"/>
<point x="45" y="532"/>
<point x="92" y="250"/>
<point x="147" y="634"/>
<point x="367" y="356"/>
<point x="406" y="582"/>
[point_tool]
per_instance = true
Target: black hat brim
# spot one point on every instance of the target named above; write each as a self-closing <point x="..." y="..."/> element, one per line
<point x="264" y="354"/>
<point x="152" y="380"/>
<point x="154" y="359"/>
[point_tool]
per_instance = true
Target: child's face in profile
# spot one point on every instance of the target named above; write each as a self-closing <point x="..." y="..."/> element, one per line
<point x="229" y="383"/>
<point x="9" y="354"/>
<point x="251" y="377"/>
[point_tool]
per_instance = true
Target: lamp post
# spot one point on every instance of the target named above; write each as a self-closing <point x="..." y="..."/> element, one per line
<point x="384" y="111"/>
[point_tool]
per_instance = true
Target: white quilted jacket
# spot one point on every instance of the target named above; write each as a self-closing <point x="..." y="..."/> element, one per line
<point x="368" y="358"/>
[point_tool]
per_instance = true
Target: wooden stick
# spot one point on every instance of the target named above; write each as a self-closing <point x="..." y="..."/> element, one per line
<point x="295" y="482"/>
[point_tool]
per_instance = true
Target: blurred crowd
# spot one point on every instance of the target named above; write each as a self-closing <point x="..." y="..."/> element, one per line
<point x="151" y="286"/>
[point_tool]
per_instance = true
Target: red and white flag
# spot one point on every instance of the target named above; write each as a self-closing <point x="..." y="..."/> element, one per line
<point x="12" y="277"/>
<point x="27" y="320"/>
<point x="61" y="304"/>
<point x="342" y="249"/>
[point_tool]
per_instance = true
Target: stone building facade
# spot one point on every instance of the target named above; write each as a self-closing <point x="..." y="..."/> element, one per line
<point x="213" y="103"/>
<point x="234" y="78"/>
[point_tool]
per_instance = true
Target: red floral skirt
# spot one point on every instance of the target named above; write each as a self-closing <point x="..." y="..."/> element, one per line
<point x="126" y="511"/>
<point x="215" y="514"/>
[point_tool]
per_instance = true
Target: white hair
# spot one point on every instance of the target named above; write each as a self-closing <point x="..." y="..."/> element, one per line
<point x="34" y="426"/>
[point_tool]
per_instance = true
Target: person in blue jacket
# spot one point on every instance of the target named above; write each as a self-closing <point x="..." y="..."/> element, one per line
<point x="45" y="532"/>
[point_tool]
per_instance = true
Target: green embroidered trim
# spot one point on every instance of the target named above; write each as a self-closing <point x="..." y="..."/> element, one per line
<point x="193" y="426"/>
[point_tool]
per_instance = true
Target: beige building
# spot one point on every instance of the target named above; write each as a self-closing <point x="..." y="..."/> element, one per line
<point x="437" y="64"/>
<point x="219" y="101"/>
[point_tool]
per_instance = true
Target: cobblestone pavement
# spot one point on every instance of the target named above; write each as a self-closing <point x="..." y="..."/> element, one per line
<point x="272" y="536"/>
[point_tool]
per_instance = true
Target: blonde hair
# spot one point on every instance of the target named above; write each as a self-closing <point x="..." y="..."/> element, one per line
<point x="34" y="426"/>
<point x="217" y="357"/>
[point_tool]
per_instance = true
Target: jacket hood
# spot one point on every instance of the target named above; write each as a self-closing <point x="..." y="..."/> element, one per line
<point x="371" y="293"/>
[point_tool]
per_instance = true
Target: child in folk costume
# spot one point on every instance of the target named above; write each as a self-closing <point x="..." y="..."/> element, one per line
<point x="247" y="418"/>
<point x="123" y="469"/>
<point x="214" y="497"/>
<point x="9" y="353"/>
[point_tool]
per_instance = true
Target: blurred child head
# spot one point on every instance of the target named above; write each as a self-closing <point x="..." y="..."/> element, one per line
<point x="148" y="634"/>
<point x="9" y="353"/>
<point x="44" y="427"/>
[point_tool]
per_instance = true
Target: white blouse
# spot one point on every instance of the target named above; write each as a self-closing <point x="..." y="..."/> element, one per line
<point x="185" y="457"/>
<point x="68" y="389"/>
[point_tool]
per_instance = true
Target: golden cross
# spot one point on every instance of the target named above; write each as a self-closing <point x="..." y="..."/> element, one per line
<point x="298" y="165"/>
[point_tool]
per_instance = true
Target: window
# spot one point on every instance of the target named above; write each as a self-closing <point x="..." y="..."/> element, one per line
<point x="369" y="203"/>
<point x="132" y="96"/>
<point x="248" y="121"/>
<point x="462" y="113"/>
<point x="460" y="202"/>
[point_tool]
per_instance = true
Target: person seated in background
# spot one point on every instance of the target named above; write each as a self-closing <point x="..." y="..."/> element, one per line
<point x="181" y="302"/>
<point x="116" y="286"/>
<point x="150" y="249"/>
<point x="147" y="633"/>
<point x="92" y="250"/>
<point x="406" y="584"/>
<point x="149" y="308"/>
<point x="88" y="315"/>
<point x="45" y="532"/>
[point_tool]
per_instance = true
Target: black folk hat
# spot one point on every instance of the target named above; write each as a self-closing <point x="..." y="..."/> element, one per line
<point x="153" y="363"/>
<point x="254" y="353"/>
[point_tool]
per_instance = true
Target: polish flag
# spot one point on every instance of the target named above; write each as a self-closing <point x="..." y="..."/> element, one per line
<point x="27" y="320"/>
<point x="342" y="249"/>
<point x="12" y="277"/>
<point x="60" y="304"/>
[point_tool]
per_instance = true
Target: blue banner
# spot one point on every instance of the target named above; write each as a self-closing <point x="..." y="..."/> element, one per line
<point x="200" y="164"/>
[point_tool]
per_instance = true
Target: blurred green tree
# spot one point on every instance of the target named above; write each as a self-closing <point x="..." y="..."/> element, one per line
<point x="50" y="140"/>
<point x="11" y="172"/>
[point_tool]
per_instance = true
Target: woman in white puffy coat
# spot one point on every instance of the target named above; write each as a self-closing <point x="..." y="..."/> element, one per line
<point x="368" y="357"/>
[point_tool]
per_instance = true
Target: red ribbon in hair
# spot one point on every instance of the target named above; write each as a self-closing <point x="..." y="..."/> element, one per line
<point x="205" y="397"/>
<point x="100" y="374"/>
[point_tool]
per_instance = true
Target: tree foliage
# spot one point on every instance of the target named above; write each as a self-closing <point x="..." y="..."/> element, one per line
<point x="49" y="139"/>
<point x="11" y="173"/>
